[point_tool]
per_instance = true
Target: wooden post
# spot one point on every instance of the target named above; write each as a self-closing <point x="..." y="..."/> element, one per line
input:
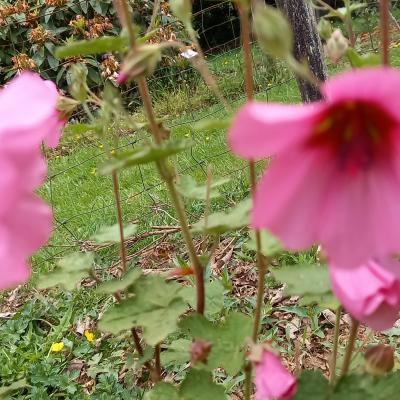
<point x="307" y="43"/>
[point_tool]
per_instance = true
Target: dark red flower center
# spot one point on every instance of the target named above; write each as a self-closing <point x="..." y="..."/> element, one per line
<point x="356" y="133"/>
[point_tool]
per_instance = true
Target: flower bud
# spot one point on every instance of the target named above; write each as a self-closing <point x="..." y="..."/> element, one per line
<point x="379" y="359"/>
<point x="182" y="9"/>
<point x="273" y="31"/>
<point x="142" y="60"/>
<point x="78" y="87"/>
<point x="336" y="46"/>
<point x="199" y="351"/>
<point x="66" y="106"/>
<point x="325" y="29"/>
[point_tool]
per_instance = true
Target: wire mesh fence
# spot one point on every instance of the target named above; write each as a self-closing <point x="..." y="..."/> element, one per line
<point x="83" y="201"/>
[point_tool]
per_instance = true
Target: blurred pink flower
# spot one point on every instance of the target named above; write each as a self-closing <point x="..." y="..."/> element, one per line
<point x="28" y="113"/>
<point x="273" y="381"/>
<point x="336" y="175"/>
<point x="370" y="293"/>
<point x="23" y="230"/>
<point x="28" y="116"/>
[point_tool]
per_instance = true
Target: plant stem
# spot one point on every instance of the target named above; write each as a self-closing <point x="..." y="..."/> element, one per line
<point x="165" y="173"/>
<point x="350" y="346"/>
<point x="157" y="356"/>
<point x="332" y="377"/>
<point x="261" y="264"/>
<point x="349" y="24"/>
<point x="246" y="44"/>
<point x="120" y="222"/>
<point x="385" y="30"/>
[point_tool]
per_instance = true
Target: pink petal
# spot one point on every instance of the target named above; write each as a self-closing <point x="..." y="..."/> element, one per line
<point x="13" y="272"/>
<point x="261" y="130"/>
<point x="29" y="225"/>
<point x="290" y="197"/>
<point x="273" y="381"/>
<point x="369" y="293"/>
<point x="380" y="85"/>
<point x="27" y="111"/>
<point x="361" y="218"/>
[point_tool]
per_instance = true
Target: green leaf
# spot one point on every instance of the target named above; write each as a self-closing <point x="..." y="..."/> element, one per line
<point x="211" y="124"/>
<point x="189" y="188"/>
<point x="365" y="60"/>
<point x="144" y="155"/>
<point x="304" y="279"/>
<point x="214" y="297"/>
<point x="163" y="391"/>
<point x="228" y="339"/>
<point x="155" y="306"/>
<point x="325" y="300"/>
<point x="341" y="12"/>
<point x="118" y="285"/>
<point x="69" y="271"/>
<point x="177" y="352"/>
<point x="111" y="234"/>
<point x="105" y="44"/>
<point x="221" y="222"/>
<point x="270" y="245"/>
<point x="199" y="385"/>
<point x="7" y="390"/>
<point x="312" y="385"/>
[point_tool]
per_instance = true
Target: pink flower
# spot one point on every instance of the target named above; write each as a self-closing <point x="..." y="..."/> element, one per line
<point x="23" y="230"/>
<point x="28" y="112"/>
<point x="28" y="116"/>
<point x="336" y="175"/>
<point x="273" y="381"/>
<point x="370" y="293"/>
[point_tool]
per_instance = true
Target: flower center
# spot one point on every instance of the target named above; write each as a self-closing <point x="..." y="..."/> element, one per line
<point x="356" y="133"/>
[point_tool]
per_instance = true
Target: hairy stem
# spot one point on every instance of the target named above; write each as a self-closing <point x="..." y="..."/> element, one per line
<point x="120" y="222"/>
<point x="350" y="346"/>
<point x="117" y="197"/>
<point x="157" y="357"/>
<point x="262" y="268"/>
<point x="332" y="376"/>
<point x="165" y="173"/>
<point x="349" y="24"/>
<point x="385" y="30"/>
<point x="246" y="45"/>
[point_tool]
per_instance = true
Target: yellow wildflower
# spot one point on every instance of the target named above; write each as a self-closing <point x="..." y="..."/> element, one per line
<point x="89" y="336"/>
<point x="57" y="347"/>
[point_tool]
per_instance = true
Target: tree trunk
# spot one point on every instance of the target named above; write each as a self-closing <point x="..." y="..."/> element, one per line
<point x="307" y="43"/>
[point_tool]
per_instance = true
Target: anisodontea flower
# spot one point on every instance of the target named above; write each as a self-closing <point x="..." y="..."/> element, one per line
<point x="335" y="179"/>
<point x="273" y="381"/>
<point x="28" y="113"/>
<point x="370" y="293"/>
<point x="28" y="116"/>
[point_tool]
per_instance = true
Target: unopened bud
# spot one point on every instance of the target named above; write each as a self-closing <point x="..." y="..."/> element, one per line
<point x="142" y="60"/>
<point x="325" y="29"/>
<point x="66" y="106"/>
<point x="182" y="9"/>
<point x="199" y="351"/>
<point x="78" y="87"/>
<point x="379" y="359"/>
<point x="336" y="46"/>
<point x="273" y="31"/>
